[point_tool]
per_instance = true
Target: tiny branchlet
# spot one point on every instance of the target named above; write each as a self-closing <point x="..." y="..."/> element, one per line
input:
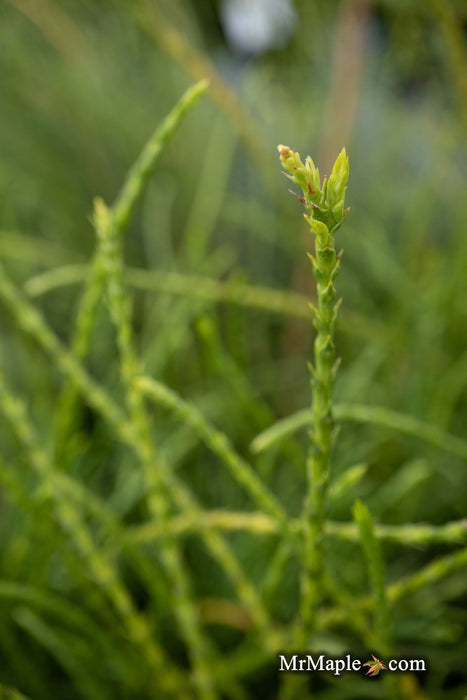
<point x="324" y="202"/>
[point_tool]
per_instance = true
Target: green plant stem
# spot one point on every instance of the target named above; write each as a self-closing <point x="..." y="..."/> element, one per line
<point x="194" y="521"/>
<point x="411" y="535"/>
<point x="55" y="644"/>
<point x="321" y="435"/>
<point x="244" y="662"/>
<point x="158" y="489"/>
<point x="33" y="250"/>
<point x="139" y="174"/>
<point x="432" y="573"/>
<point x="223" y="554"/>
<point x="196" y="64"/>
<point x="218" y="442"/>
<point x="31" y="322"/>
<point x="250" y="296"/>
<point x="373" y="415"/>
<point x="372" y="549"/>
<point x="122" y="209"/>
<point x="267" y="299"/>
<point x="325" y="202"/>
<point x="107" y="270"/>
<point x="108" y="225"/>
<point x="100" y="567"/>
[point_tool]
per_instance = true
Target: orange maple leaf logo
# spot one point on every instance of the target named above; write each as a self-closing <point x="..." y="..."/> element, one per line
<point x="375" y="666"/>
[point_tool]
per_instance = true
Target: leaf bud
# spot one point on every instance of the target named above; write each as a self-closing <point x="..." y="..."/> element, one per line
<point x="321" y="231"/>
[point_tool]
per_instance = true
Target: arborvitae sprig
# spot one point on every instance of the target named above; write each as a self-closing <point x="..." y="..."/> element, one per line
<point x="325" y="204"/>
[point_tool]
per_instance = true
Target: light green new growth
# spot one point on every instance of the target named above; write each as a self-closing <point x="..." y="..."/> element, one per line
<point x="325" y="203"/>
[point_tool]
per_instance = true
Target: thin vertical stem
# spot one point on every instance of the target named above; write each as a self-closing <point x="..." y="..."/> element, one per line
<point x="372" y="549"/>
<point x="325" y="202"/>
<point x="107" y="226"/>
<point x="321" y="437"/>
<point x="123" y="208"/>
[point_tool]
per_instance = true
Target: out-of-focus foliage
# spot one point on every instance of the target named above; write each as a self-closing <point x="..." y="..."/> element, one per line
<point x="83" y="85"/>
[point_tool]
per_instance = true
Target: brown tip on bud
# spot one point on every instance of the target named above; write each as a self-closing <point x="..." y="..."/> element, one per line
<point x="284" y="151"/>
<point x="346" y="211"/>
<point x="310" y="191"/>
<point x="315" y="206"/>
<point x="302" y="199"/>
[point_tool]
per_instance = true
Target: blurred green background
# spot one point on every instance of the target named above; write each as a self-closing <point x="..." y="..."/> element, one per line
<point x="82" y="86"/>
